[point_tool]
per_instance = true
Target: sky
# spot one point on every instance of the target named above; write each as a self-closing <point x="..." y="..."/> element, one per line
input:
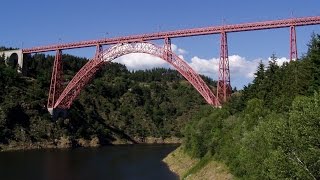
<point x="26" y="24"/>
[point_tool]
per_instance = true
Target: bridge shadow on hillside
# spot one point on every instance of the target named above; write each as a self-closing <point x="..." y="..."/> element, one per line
<point x="98" y="124"/>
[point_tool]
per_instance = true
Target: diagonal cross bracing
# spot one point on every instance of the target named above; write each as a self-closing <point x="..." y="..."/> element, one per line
<point x="87" y="72"/>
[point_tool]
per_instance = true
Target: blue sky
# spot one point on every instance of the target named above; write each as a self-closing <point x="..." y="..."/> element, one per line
<point x="34" y="23"/>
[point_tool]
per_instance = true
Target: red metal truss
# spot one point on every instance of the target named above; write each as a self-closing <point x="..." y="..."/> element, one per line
<point x="84" y="75"/>
<point x="183" y="33"/>
<point x="99" y="50"/>
<point x="293" y="44"/>
<point x="136" y="44"/>
<point x="87" y="72"/>
<point x="223" y="84"/>
<point x="167" y="46"/>
<point x="56" y="80"/>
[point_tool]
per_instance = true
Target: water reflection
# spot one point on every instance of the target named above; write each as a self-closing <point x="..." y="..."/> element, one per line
<point x="110" y="162"/>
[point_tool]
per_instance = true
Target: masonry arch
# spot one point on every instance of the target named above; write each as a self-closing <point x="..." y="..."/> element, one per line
<point x="14" y="58"/>
<point x="12" y="61"/>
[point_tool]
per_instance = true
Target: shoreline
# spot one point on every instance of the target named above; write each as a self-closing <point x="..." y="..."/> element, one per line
<point x="68" y="143"/>
<point x="186" y="167"/>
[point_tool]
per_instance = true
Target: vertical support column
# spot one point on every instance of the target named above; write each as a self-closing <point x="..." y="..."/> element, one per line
<point x="98" y="50"/>
<point x="167" y="47"/>
<point x="223" y="86"/>
<point x="293" y="44"/>
<point x="21" y="63"/>
<point x="56" y="81"/>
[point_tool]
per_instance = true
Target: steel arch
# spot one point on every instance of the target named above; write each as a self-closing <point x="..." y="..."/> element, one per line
<point x="87" y="72"/>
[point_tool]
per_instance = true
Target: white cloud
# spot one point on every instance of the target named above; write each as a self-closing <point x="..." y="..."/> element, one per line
<point x="242" y="70"/>
<point x="280" y="61"/>
<point x="238" y="65"/>
<point x="177" y="50"/>
<point x="204" y="66"/>
<point x="139" y="61"/>
<point x="181" y="57"/>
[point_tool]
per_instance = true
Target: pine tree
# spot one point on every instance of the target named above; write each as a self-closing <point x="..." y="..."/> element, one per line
<point x="260" y="74"/>
<point x="313" y="59"/>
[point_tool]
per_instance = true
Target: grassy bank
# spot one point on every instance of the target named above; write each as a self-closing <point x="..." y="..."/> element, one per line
<point x="188" y="168"/>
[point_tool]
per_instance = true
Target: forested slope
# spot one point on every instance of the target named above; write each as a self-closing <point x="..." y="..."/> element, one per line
<point x="270" y="129"/>
<point x="117" y="104"/>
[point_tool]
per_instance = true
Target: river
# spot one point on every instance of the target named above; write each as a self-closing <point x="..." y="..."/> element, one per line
<point x="109" y="162"/>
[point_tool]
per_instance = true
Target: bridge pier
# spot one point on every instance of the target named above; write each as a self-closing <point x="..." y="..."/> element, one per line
<point x="56" y="87"/>
<point x="167" y="47"/>
<point x="223" y="85"/>
<point x="57" y="112"/>
<point x="15" y="58"/>
<point x="293" y="44"/>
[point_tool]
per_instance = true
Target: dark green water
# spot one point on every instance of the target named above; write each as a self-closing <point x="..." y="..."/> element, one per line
<point x="110" y="162"/>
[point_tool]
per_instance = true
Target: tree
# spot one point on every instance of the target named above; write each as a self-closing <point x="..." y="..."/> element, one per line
<point x="305" y="128"/>
<point x="313" y="58"/>
<point x="259" y="80"/>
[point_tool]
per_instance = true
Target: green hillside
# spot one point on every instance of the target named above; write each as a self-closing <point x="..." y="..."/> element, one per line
<point x="270" y="129"/>
<point x="117" y="105"/>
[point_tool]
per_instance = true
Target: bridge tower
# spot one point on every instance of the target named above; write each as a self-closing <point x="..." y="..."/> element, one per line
<point x="56" y="85"/>
<point x="99" y="50"/>
<point x="223" y="86"/>
<point x="293" y="44"/>
<point x="167" y="46"/>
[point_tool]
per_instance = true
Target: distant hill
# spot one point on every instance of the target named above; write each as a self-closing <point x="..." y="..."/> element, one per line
<point x="117" y="106"/>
